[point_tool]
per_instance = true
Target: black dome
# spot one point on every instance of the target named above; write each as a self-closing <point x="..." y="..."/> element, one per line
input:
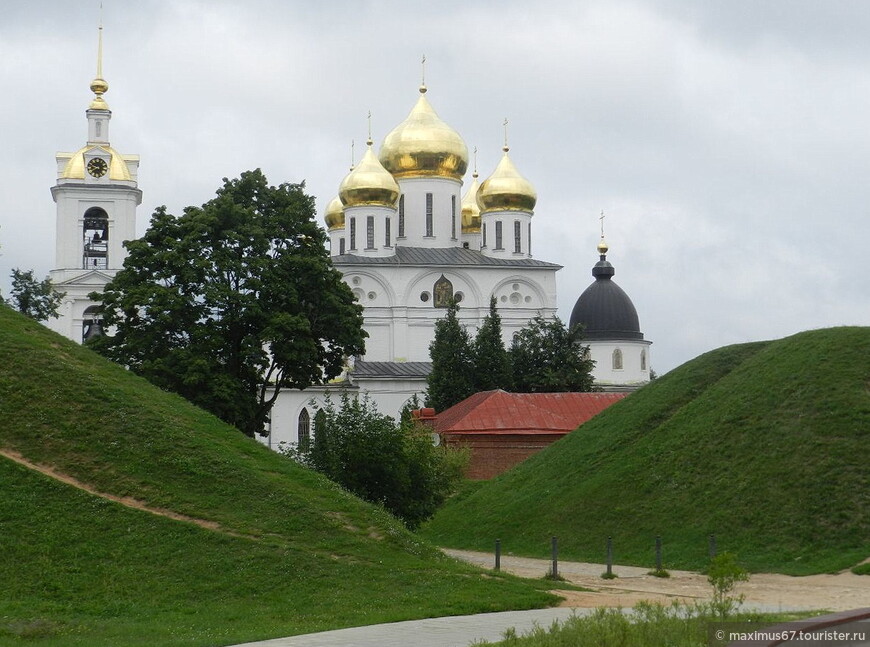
<point x="604" y="309"/>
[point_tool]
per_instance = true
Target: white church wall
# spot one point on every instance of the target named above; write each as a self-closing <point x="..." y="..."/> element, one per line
<point x="632" y="372"/>
<point x="445" y="194"/>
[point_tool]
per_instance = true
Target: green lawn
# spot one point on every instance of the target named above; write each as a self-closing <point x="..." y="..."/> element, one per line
<point x="767" y="445"/>
<point x="294" y="553"/>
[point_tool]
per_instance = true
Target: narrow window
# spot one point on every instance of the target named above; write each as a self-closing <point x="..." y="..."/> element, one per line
<point x="352" y="234"/>
<point x="530" y="239"/>
<point x="483" y="244"/>
<point x="387" y="223"/>
<point x="401" y="216"/>
<point x="341" y="245"/>
<point x="518" y="243"/>
<point x="429" y="214"/>
<point x="643" y="360"/>
<point x="370" y="232"/>
<point x="304" y="430"/>
<point x="99" y="125"/>
<point x="498" y="235"/>
<point x="453" y="217"/>
<point x="617" y="360"/>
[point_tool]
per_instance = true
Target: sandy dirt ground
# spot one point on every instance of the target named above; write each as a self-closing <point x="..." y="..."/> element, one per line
<point x="839" y="592"/>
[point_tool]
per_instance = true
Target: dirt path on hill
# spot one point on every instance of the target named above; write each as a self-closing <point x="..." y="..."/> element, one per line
<point x="838" y="592"/>
<point x="127" y="501"/>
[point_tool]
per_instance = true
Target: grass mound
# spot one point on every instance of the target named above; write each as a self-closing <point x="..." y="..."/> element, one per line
<point x="766" y="444"/>
<point x="288" y="552"/>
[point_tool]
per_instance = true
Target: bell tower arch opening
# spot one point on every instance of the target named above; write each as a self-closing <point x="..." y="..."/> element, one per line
<point x="95" y="239"/>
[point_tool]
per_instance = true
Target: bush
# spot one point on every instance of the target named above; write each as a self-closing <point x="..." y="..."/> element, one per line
<point x="393" y="465"/>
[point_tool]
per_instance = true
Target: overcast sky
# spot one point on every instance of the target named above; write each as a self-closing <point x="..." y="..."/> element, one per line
<point x="728" y="141"/>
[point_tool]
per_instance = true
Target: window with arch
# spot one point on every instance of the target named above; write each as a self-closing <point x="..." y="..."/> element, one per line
<point x="304" y="430"/>
<point x="95" y="239"/>
<point x="341" y="245"/>
<point x="643" y="360"/>
<point x="518" y="241"/>
<point x="352" y="234"/>
<point x="370" y="232"/>
<point x="429" y="223"/>
<point x="617" y="360"/>
<point x="498" y="235"/>
<point x="387" y="224"/>
<point x="453" y="217"/>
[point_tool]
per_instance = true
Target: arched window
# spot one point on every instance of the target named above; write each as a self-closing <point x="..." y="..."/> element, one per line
<point x="304" y="430"/>
<point x="617" y="360"/>
<point x="643" y="360"/>
<point x="95" y="239"/>
<point x="91" y="323"/>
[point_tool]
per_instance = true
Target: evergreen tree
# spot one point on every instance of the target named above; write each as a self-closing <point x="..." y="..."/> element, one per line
<point x="492" y="363"/>
<point x="452" y="363"/>
<point x="547" y="357"/>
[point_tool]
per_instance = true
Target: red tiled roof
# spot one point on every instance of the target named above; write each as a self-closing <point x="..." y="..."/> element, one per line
<point x="499" y="412"/>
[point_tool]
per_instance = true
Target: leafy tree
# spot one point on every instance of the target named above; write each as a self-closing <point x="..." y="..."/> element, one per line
<point x="36" y="299"/>
<point x="723" y="574"/>
<point x="492" y="363"/>
<point x="232" y="302"/>
<point x="394" y="465"/>
<point x="547" y="357"/>
<point x="452" y="363"/>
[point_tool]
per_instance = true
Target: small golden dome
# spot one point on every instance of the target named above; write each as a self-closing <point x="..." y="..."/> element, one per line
<point x="368" y="183"/>
<point x="99" y="86"/>
<point x="470" y="209"/>
<point x="75" y="166"/>
<point x="506" y="189"/>
<point x="602" y="246"/>
<point x="334" y="217"/>
<point x="424" y="146"/>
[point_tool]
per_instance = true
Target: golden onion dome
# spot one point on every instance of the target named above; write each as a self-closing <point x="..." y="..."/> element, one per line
<point x="334" y="217"/>
<point x="75" y="166"/>
<point x="602" y="246"/>
<point x="506" y="189"/>
<point x="470" y="208"/>
<point x="368" y="183"/>
<point x="424" y="146"/>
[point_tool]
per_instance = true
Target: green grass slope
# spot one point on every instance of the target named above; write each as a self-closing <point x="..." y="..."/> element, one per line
<point x="767" y="445"/>
<point x="293" y="552"/>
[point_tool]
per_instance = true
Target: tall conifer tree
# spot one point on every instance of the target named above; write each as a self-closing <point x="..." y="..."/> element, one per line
<point x="492" y="364"/>
<point x="452" y="363"/>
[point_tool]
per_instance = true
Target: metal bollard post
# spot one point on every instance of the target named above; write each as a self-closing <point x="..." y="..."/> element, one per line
<point x="555" y="552"/>
<point x="712" y="546"/>
<point x="609" y="556"/>
<point x="498" y="554"/>
<point x="658" y="553"/>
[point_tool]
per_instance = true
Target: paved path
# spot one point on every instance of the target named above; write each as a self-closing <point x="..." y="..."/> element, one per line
<point x="453" y="631"/>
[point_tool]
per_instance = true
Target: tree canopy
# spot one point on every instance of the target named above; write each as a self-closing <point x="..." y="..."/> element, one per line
<point x="451" y="379"/>
<point x="394" y="465"/>
<point x="233" y="301"/>
<point x="547" y="357"/>
<point x="35" y="299"/>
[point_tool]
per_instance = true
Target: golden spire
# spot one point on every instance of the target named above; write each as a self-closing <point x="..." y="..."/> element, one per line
<point x="423" y="75"/>
<point x="505" y="147"/>
<point x="474" y="175"/>
<point x="602" y="245"/>
<point x="99" y="85"/>
<point x="369" y="141"/>
<point x="352" y="154"/>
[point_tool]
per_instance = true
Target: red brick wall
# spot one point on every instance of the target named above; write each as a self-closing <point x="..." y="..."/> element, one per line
<point x="492" y="454"/>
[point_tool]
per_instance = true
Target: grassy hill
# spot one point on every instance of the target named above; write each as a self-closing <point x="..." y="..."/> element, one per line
<point x="767" y="445"/>
<point x="288" y="551"/>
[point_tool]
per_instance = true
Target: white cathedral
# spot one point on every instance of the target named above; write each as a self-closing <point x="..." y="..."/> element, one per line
<point x="404" y="236"/>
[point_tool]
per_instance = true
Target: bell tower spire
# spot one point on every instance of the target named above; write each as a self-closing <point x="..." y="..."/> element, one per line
<point x="96" y="195"/>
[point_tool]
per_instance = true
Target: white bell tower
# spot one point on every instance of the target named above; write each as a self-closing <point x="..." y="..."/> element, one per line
<point x="96" y="195"/>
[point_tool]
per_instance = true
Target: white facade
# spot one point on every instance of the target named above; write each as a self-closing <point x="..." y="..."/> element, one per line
<point x="404" y="272"/>
<point x="620" y="365"/>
